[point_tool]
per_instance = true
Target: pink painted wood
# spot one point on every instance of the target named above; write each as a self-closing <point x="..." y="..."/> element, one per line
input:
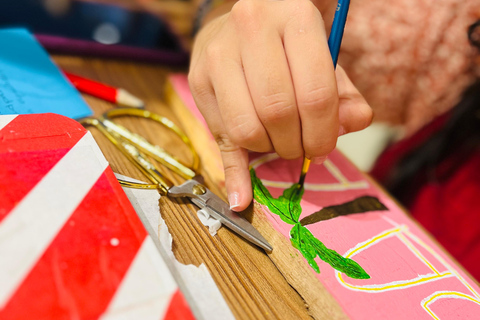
<point x="411" y="275"/>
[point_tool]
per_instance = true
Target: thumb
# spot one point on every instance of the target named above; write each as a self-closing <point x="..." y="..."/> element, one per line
<point x="237" y="176"/>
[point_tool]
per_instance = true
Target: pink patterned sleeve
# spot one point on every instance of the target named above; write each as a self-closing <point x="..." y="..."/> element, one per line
<point x="411" y="59"/>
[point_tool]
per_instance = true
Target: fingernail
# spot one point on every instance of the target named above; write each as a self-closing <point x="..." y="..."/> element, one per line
<point x="341" y="131"/>
<point x="318" y="160"/>
<point x="234" y="200"/>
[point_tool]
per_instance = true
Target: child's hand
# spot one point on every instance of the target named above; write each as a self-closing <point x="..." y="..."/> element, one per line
<point x="263" y="78"/>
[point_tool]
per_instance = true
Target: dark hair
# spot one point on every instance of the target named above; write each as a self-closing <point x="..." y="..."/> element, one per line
<point x="440" y="155"/>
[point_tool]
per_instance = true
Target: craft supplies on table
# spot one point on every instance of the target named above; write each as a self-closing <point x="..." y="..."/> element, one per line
<point x="138" y="150"/>
<point x="30" y="82"/>
<point x="103" y="91"/>
<point x="71" y="243"/>
<point x="251" y="283"/>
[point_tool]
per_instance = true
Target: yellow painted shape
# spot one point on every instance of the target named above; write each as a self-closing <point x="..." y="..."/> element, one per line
<point x="452" y="293"/>
<point x="397" y="232"/>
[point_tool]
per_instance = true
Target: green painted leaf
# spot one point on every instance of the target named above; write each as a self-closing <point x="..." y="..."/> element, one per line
<point x="340" y="263"/>
<point x="293" y="196"/>
<point x="308" y="252"/>
<point x="287" y="206"/>
<point x="278" y="206"/>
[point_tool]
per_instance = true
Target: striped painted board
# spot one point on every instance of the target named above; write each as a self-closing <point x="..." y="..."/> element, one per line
<point x="71" y="244"/>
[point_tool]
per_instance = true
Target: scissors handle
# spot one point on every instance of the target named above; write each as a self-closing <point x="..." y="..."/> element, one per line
<point x="135" y="156"/>
<point x="138" y="150"/>
<point x="155" y="152"/>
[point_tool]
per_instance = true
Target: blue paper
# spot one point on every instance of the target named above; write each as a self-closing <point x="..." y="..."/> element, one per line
<point x="31" y="83"/>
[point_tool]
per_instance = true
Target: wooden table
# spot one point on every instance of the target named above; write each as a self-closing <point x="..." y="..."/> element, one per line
<point x="249" y="281"/>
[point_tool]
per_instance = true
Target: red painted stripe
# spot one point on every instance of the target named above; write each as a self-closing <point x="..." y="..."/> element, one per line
<point x="30" y="145"/>
<point x="20" y="172"/>
<point x="82" y="268"/>
<point x="178" y="308"/>
<point x="40" y="132"/>
<point x="124" y="203"/>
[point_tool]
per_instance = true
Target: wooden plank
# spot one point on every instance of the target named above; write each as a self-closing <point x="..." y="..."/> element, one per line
<point x="249" y="281"/>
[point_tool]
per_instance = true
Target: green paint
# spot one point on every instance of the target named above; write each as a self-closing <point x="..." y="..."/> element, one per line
<point x="287" y="206"/>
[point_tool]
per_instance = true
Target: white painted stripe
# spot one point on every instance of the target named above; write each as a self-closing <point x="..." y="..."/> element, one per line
<point x="146" y="289"/>
<point x="32" y="225"/>
<point x="197" y="285"/>
<point x="6" y="119"/>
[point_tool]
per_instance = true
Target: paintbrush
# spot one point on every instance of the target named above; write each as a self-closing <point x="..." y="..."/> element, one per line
<point x="334" y="42"/>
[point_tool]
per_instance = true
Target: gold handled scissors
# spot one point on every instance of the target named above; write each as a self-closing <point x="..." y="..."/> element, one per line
<point x="139" y="151"/>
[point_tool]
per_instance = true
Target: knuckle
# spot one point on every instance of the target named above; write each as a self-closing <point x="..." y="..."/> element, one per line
<point x="195" y="80"/>
<point x="224" y="143"/>
<point x="213" y="52"/>
<point x="277" y="108"/>
<point x="307" y="10"/>
<point x="232" y="169"/>
<point x="244" y="134"/>
<point x="320" y="97"/>
<point x="245" y="13"/>
<point x="198" y="85"/>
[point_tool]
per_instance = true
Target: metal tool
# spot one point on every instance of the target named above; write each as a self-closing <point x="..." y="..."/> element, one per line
<point x="139" y="151"/>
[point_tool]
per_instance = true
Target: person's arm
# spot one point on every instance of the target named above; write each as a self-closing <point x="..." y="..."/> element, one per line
<point x="262" y="76"/>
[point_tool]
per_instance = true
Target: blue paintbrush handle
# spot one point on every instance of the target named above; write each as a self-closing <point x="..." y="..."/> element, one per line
<point x="336" y="34"/>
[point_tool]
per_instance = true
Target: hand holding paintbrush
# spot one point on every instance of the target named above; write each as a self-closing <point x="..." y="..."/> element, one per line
<point x="263" y="78"/>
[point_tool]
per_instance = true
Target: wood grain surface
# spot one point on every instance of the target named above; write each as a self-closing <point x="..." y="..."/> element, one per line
<point x="247" y="277"/>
